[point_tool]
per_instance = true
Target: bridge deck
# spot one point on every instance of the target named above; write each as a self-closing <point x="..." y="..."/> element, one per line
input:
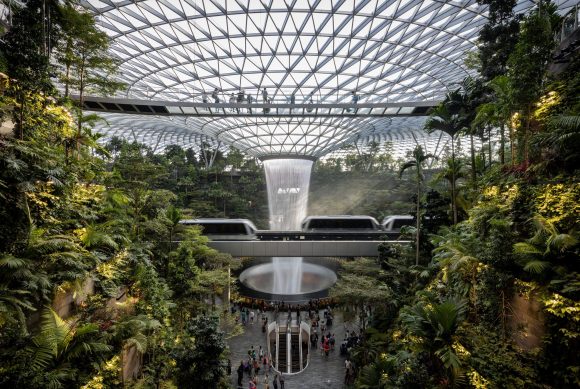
<point x="306" y="248"/>
<point x="245" y="109"/>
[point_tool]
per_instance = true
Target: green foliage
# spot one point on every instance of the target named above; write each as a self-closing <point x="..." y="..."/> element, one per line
<point x="24" y="47"/>
<point x="356" y="290"/>
<point x="560" y="362"/>
<point x="198" y="356"/>
<point x="58" y="350"/>
<point x="497" y="38"/>
<point x="497" y="363"/>
<point x="549" y="253"/>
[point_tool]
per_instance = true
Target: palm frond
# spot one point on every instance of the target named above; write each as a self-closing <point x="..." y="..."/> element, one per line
<point x="524" y="248"/>
<point x="448" y="357"/>
<point x="562" y="242"/>
<point x="536" y="266"/>
<point x="406" y="165"/>
<point x="569" y="122"/>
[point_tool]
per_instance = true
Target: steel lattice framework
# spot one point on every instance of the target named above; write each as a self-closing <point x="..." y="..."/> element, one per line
<point x="299" y="50"/>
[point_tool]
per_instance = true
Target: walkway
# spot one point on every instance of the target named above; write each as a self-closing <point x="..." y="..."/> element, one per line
<point x="321" y="373"/>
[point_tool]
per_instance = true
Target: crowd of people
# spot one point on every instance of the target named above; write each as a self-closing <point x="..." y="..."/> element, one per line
<point x="251" y="368"/>
<point x="258" y="368"/>
<point x="241" y="97"/>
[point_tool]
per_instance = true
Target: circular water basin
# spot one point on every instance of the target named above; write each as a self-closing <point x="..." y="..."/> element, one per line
<point x="313" y="278"/>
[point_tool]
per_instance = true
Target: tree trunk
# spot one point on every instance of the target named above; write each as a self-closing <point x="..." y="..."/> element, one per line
<point x="418" y="215"/>
<point x="473" y="167"/>
<point x="453" y="205"/>
<point x="527" y="132"/>
<point x="489" y="145"/>
<point x="502" y="143"/>
<point x="21" y="124"/>
<point x="512" y="142"/>
<point x="80" y="114"/>
<point x="67" y="82"/>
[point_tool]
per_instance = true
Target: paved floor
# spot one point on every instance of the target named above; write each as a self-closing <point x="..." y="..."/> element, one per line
<point x="322" y="372"/>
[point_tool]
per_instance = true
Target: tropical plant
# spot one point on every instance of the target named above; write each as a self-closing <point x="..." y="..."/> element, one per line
<point x="542" y="251"/>
<point x="497" y="38"/>
<point x="88" y="66"/>
<point x="527" y="67"/>
<point x="498" y="113"/>
<point x="435" y="327"/>
<point x="174" y="215"/>
<point x="419" y="159"/>
<point x="450" y="117"/>
<point x="198" y="357"/>
<point x="456" y="252"/>
<point x="20" y="289"/>
<point x="57" y="351"/>
<point x="559" y="145"/>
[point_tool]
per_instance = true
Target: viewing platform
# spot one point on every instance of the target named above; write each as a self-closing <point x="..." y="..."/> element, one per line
<point x="245" y="109"/>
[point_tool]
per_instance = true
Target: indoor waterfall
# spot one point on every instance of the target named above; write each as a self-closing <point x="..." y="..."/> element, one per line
<point x="288" y="182"/>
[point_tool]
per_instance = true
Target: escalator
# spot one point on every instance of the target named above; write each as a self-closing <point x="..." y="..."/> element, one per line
<point x="282" y="352"/>
<point x="295" y="352"/>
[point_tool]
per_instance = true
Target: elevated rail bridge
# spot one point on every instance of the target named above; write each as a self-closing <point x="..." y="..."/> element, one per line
<point x="308" y="244"/>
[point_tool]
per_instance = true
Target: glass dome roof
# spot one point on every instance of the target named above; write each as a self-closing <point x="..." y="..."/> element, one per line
<point x="323" y="50"/>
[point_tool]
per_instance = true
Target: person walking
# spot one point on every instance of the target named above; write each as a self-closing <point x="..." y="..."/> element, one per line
<point x="347" y="370"/>
<point x="215" y="95"/>
<point x="292" y="101"/>
<point x="281" y="378"/>
<point x="232" y="101"/>
<point x="249" y="97"/>
<point x="265" y="95"/>
<point x="256" y="367"/>
<point x="275" y="381"/>
<point x="240" y="98"/>
<point x="266" y="382"/>
<point x="354" y="101"/>
<point x="240" y="372"/>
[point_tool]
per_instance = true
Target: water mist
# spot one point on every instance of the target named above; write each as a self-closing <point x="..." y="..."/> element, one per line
<point x="288" y="182"/>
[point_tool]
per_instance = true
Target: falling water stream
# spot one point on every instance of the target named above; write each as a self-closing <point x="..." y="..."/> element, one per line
<point x="288" y="182"/>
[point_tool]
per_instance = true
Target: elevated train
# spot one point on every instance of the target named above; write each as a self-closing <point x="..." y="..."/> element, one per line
<point x="338" y="227"/>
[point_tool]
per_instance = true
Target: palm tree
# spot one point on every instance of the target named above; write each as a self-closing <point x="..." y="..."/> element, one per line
<point x="456" y="253"/>
<point x="452" y="172"/>
<point x="434" y="326"/>
<point x="498" y="112"/>
<point x="419" y="158"/>
<point x="174" y="215"/>
<point x="450" y="117"/>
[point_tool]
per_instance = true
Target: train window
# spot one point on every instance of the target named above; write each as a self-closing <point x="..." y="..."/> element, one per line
<point x="224" y="228"/>
<point x="398" y="223"/>
<point x="322" y="224"/>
